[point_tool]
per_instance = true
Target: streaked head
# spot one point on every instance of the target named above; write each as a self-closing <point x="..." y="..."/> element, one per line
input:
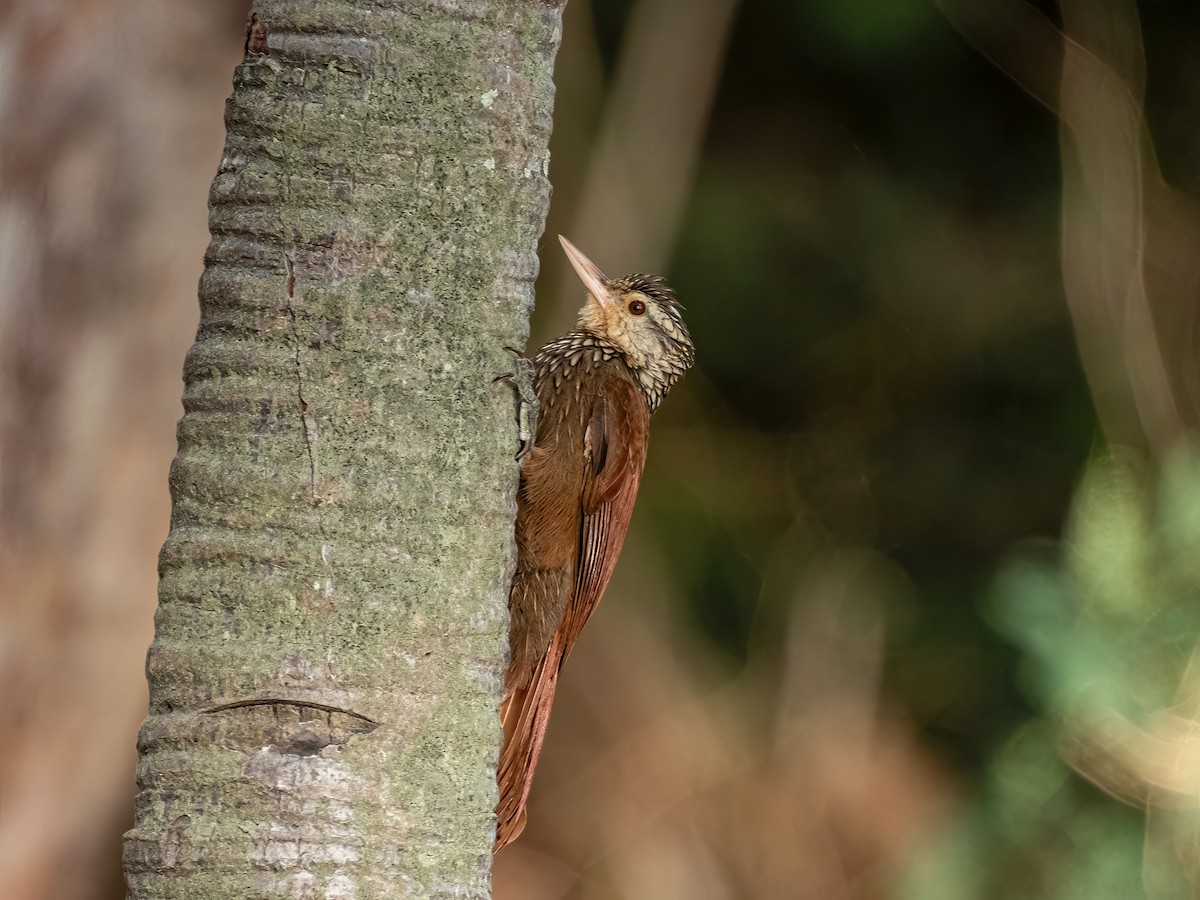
<point x="639" y="315"/>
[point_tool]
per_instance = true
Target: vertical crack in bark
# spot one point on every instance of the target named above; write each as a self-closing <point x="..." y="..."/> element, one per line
<point x="308" y="439"/>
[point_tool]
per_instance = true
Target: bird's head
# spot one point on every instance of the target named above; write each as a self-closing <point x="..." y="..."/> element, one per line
<point x="639" y="315"/>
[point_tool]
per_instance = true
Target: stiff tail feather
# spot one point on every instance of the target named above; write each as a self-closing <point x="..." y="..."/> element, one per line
<point x="525" y="712"/>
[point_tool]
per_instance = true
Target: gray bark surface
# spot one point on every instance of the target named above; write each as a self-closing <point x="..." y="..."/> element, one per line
<point x="331" y="629"/>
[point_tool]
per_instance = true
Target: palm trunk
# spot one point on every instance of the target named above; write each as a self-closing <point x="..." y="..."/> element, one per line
<point x="331" y="628"/>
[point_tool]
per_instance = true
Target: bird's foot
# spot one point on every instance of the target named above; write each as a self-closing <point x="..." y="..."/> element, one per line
<point x="527" y="402"/>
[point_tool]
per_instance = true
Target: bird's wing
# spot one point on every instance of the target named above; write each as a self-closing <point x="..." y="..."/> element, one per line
<point x="614" y="453"/>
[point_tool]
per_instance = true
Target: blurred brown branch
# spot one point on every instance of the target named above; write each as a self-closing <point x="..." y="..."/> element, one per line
<point x="109" y="129"/>
<point x="642" y="160"/>
<point x="1130" y="243"/>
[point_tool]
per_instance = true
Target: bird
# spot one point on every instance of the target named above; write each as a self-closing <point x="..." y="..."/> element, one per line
<point x="596" y="388"/>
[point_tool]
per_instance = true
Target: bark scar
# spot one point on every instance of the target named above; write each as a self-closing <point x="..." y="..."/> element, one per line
<point x="256" y="37"/>
<point x="290" y="727"/>
<point x="308" y="441"/>
<point x="302" y="704"/>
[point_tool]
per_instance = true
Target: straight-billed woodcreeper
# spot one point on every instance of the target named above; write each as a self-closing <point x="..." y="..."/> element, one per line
<point x="596" y="387"/>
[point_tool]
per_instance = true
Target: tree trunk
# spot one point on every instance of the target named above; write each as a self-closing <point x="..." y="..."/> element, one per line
<point x="331" y="627"/>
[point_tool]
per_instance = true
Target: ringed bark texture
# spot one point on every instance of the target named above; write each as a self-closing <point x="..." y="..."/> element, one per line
<point x="332" y="620"/>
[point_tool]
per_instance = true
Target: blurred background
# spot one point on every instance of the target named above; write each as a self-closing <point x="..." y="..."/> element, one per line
<point x="910" y="603"/>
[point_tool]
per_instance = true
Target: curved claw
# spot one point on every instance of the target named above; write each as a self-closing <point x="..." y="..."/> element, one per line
<point x="527" y="403"/>
<point x="526" y="446"/>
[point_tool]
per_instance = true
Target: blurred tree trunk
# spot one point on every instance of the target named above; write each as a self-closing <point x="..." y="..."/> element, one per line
<point x="331" y="627"/>
<point x="105" y="159"/>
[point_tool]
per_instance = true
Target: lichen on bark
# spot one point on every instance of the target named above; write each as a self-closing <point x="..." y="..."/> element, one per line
<point x="331" y="627"/>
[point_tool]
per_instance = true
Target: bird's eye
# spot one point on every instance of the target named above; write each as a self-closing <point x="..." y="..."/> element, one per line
<point x="637" y="307"/>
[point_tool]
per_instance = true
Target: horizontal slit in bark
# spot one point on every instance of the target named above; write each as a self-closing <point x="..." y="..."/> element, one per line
<point x="292" y="727"/>
<point x="348" y="52"/>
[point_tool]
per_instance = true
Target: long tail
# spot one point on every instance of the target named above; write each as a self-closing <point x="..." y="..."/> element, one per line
<point x="525" y="713"/>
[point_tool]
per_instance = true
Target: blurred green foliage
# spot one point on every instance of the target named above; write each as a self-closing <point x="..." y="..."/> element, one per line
<point x="1107" y="630"/>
